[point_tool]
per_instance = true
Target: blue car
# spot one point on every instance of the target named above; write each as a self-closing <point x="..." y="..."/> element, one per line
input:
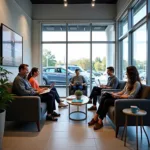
<point x="57" y="75"/>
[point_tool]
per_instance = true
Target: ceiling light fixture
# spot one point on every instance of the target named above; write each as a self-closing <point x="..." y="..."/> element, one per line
<point x="65" y="0"/>
<point x="65" y="4"/>
<point x="93" y="0"/>
<point x="93" y="4"/>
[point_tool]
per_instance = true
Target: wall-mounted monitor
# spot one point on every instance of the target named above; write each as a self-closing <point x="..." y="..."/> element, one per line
<point x="12" y="47"/>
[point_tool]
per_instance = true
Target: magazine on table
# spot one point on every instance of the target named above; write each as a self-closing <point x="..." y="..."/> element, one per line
<point x="77" y="101"/>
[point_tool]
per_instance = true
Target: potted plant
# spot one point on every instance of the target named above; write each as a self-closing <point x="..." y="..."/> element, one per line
<point x="5" y="98"/>
<point x="78" y="94"/>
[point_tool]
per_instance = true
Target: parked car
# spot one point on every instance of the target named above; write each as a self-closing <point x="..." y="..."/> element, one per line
<point x="82" y="72"/>
<point x="95" y="73"/>
<point x="143" y="76"/>
<point x="56" y="74"/>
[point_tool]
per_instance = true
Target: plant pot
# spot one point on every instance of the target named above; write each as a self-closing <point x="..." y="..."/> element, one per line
<point x="78" y="97"/>
<point x="2" y="125"/>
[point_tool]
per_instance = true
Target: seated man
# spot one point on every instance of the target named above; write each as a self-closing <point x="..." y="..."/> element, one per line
<point x="112" y="83"/>
<point x="77" y="81"/>
<point x="22" y="87"/>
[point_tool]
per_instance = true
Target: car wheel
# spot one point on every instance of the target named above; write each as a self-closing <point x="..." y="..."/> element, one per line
<point x="44" y="82"/>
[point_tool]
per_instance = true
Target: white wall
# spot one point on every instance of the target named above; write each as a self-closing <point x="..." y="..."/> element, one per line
<point x="74" y="12"/>
<point x="26" y="5"/>
<point x="14" y="16"/>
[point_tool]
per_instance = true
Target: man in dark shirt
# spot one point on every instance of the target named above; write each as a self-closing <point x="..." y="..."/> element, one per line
<point x="112" y="83"/>
<point x="77" y="81"/>
<point x="22" y="87"/>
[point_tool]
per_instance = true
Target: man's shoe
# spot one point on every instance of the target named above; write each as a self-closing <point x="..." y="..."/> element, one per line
<point x="55" y="114"/>
<point x="90" y="102"/>
<point x="62" y="105"/>
<point x="97" y="126"/>
<point x="92" y="122"/>
<point x="51" y="118"/>
<point x="92" y="108"/>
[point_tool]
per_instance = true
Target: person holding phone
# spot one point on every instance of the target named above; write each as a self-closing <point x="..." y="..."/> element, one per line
<point x="34" y="83"/>
<point x="130" y="90"/>
<point x="78" y="81"/>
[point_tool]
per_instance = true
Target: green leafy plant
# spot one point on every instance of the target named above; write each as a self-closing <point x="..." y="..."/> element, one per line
<point x="5" y="96"/>
<point x="78" y="93"/>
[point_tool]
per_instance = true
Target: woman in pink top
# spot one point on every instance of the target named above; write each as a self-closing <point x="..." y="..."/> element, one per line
<point x="34" y="83"/>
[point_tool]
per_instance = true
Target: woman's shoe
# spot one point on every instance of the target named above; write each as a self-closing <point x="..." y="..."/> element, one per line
<point x="62" y="105"/>
<point x="97" y="126"/>
<point x="92" y="122"/>
<point x="61" y="100"/>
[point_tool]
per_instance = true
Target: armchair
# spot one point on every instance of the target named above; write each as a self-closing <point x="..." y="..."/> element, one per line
<point x="71" y="91"/>
<point x="26" y="109"/>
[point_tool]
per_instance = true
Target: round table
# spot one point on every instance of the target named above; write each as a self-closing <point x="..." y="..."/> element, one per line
<point x="140" y="114"/>
<point x="78" y="115"/>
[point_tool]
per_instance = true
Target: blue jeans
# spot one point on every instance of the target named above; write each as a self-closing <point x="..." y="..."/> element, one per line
<point x="77" y="87"/>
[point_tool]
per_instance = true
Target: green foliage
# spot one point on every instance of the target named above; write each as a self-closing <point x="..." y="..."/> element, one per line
<point x="78" y="93"/>
<point x="84" y="63"/>
<point x="5" y="96"/>
<point x="48" y="59"/>
<point x="99" y="65"/>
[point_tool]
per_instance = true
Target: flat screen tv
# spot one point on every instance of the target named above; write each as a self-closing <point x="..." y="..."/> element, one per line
<point x="12" y="47"/>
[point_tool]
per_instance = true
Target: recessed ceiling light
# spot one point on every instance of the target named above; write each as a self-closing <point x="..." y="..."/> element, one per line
<point x="65" y="4"/>
<point x="93" y="4"/>
<point x="65" y="0"/>
<point x="93" y="0"/>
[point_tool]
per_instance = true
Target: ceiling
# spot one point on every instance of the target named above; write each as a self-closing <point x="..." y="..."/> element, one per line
<point x="73" y="1"/>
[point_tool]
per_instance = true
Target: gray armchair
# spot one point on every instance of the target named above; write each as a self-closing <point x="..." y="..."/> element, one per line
<point x="71" y="91"/>
<point x="26" y="109"/>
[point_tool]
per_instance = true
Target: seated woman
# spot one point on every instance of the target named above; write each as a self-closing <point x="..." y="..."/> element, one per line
<point x="130" y="90"/>
<point x="34" y="83"/>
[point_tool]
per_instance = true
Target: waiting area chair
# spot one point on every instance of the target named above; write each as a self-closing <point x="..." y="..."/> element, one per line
<point x="71" y="90"/>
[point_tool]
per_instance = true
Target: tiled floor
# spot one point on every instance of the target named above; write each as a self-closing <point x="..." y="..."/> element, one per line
<point x="67" y="135"/>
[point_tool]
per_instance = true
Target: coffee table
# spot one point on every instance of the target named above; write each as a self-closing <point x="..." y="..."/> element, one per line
<point x="78" y="115"/>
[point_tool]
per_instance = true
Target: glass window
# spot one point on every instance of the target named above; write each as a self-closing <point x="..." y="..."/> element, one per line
<point x="139" y="11"/>
<point x="53" y="32"/>
<point x="103" y="33"/>
<point x="78" y="32"/>
<point x="52" y="70"/>
<point x="54" y="56"/>
<point x="125" y="57"/>
<point x="80" y="59"/>
<point x="102" y="57"/>
<point x="63" y="71"/>
<point x="123" y="26"/>
<point x="140" y="51"/>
